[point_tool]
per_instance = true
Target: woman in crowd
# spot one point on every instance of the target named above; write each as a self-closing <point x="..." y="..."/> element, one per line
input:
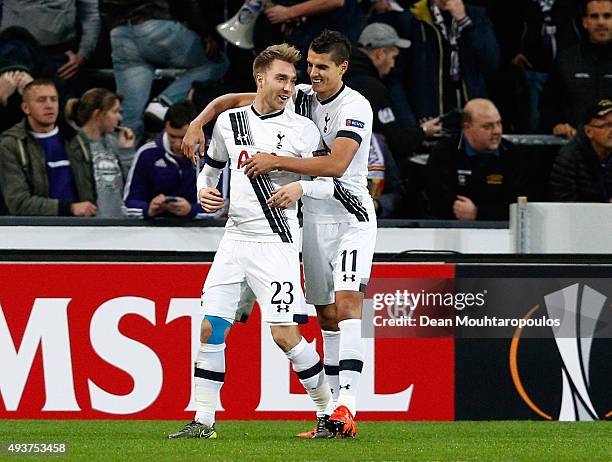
<point x="111" y="147"/>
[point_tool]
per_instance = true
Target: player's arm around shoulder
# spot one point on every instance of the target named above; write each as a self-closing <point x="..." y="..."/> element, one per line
<point x="195" y="131"/>
<point x="333" y="165"/>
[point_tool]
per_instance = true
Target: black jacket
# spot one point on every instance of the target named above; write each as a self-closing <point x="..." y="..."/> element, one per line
<point x="578" y="175"/>
<point x="528" y="38"/>
<point x="428" y="58"/>
<point x="19" y="51"/>
<point x="363" y="77"/>
<point x="581" y="75"/>
<point x="491" y="181"/>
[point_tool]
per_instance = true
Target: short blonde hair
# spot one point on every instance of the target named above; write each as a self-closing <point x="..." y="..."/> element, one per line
<point x="40" y="82"/>
<point x="282" y="52"/>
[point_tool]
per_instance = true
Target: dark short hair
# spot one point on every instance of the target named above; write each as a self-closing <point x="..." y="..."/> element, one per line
<point x="180" y="114"/>
<point x="586" y="2"/>
<point x="40" y="82"/>
<point x="334" y="43"/>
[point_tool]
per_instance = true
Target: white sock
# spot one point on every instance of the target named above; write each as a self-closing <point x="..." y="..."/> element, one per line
<point x="331" y="358"/>
<point x="351" y="362"/>
<point x="307" y="365"/>
<point x="209" y="377"/>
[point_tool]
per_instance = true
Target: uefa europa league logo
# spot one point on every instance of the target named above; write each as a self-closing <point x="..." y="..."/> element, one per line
<point x="579" y="308"/>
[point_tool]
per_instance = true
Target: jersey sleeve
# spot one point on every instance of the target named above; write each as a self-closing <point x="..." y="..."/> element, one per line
<point x="355" y="121"/>
<point x="207" y="178"/>
<point x="313" y="143"/>
<point x="319" y="187"/>
<point x="217" y="155"/>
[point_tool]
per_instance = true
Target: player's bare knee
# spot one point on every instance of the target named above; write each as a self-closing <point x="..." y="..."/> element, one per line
<point x="348" y="307"/>
<point x="286" y="337"/>
<point x="281" y="339"/>
<point x="205" y="331"/>
<point x="327" y="317"/>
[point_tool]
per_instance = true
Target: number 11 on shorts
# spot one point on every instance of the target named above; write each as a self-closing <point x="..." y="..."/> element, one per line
<point x="354" y="264"/>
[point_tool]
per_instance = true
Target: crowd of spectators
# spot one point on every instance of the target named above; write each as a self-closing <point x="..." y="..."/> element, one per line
<point x="445" y="78"/>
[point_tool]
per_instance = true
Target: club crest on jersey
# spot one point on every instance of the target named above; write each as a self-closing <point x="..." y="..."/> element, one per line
<point x="354" y="123"/>
<point x="327" y="119"/>
<point x="280" y="137"/>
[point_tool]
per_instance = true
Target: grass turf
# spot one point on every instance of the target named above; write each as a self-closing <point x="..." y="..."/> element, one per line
<point x="273" y="440"/>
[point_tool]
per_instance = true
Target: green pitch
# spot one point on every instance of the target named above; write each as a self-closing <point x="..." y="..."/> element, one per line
<point x="273" y="440"/>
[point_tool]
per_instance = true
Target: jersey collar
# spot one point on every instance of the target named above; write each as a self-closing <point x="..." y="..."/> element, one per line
<point x="267" y="116"/>
<point x="334" y="96"/>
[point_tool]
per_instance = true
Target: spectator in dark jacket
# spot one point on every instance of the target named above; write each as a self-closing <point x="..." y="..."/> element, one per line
<point x="453" y="51"/>
<point x="477" y="176"/>
<point x="162" y="181"/>
<point x="41" y="173"/>
<point x="581" y="74"/>
<point x="545" y="28"/>
<point x="582" y="171"/>
<point x="12" y="84"/>
<point x="20" y="61"/>
<point x="372" y="60"/>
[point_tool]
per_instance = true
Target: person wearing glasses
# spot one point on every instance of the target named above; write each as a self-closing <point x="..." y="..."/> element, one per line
<point x="582" y="171"/>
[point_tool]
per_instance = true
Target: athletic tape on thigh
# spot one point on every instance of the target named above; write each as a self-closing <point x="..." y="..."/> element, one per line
<point x="218" y="327"/>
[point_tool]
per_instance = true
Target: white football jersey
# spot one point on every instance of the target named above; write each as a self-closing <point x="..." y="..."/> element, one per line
<point x="345" y="114"/>
<point x="238" y="134"/>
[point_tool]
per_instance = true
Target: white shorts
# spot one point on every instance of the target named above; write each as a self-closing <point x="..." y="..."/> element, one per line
<point x="337" y="256"/>
<point x="243" y="272"/>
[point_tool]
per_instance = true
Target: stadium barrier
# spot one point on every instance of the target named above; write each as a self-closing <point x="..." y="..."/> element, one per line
<point x="561" y="227"/>
<point x="94" y="234"/>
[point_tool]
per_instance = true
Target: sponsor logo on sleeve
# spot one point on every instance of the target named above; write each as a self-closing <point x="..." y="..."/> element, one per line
<point x="354" y="123"/>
